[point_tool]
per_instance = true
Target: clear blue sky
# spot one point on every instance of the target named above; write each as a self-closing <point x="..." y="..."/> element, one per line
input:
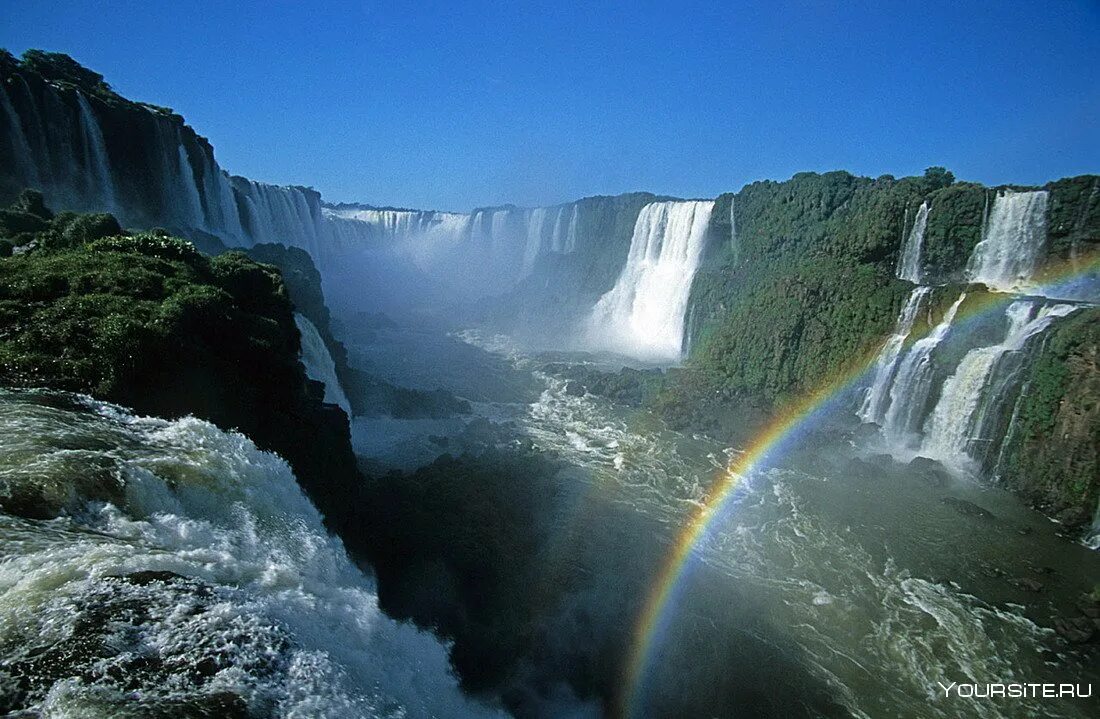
<point x="458" y="104"/>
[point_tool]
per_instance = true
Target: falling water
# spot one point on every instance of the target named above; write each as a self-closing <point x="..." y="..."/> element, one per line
<point x="319" y="363"/>
<point x="875" y="401"/>
<point x="957" y="418"/>
<point x="643" y="314"/>
<point x="199" y="571"/>
<point x="909" y="264"/>
<point x="1013" y="239"/>
<point x="189" y="191"/>
<point x="913" y="383"/>
<point x="24" y="160"/>
<point x="95" y="158"/>
<point x="531" y="250"/>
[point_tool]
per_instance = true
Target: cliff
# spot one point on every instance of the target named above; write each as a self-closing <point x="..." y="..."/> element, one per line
<point x="146" y="321"/>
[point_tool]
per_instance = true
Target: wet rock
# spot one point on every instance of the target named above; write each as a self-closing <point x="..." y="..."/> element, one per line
<point x="967" y="508"/>
<point x="1073" y="517"/>
<point x="1027" y="584"/>
<point x="991" y="571"/>
<point x="1076" y="630"/>
<point x="1090" y="607"/>
<point x="930" y="472"/>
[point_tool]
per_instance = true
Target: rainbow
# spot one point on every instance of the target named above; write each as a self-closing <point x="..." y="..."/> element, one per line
<point x="786" y="428"/>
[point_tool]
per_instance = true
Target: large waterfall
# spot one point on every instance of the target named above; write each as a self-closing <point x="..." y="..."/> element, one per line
<point x="982" y="378"/>
<point x="484" y="252"/>
<point x="909" y="264"/>
<point x="1010" y="248"/>
<point x="955" y="408"/>
<point x="151" y="170"/>
<point x="643" y="314"/>
<point x="319" y="363"/>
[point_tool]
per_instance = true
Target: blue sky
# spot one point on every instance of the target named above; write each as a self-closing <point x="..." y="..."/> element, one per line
<point x="459" y="104"/>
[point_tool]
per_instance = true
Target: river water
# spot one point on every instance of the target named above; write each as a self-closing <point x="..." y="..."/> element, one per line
<point x="881" y="579"/>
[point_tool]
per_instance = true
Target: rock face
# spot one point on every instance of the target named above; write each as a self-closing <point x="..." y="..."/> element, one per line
<point x="1052" y="456"/>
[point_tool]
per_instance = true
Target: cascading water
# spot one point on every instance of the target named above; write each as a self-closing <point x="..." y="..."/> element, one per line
<point x="875" y="401"/>
<point x="185" y="574"/>
<point x="21" y="149"/>
<point x="319" y="363"/>
<point x="536" y="219"/>
<point x="643" y="314"/>
<point x="496" y="247"/>
<point x="913" y="382"/>
<point x="101" y="185"/>
<point x="187" y="189"/>
<point x="1015" y="233"/>
<point x="981" y="377"/>
<point x="909" y="264"/>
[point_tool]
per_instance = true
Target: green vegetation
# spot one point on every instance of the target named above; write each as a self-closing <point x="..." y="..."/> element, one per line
<point x="954" y="227"/>
<point x="1074" y="216"/>
<point x="1052" y="457"/>
<point x="803" y="289"/>
<point x="147" y="321"/>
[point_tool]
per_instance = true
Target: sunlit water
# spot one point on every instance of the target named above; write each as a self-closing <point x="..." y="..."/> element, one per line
<point x="886" y="588"/>
<point x="155" y="568"/>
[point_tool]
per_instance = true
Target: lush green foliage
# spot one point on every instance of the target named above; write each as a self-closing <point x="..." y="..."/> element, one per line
<point x="1074" y="216"/>
<point x="1053" y="454"/>
<point x="149" y="322"/>
<point x="954" y="227"/>
<point x="802" y="288"/>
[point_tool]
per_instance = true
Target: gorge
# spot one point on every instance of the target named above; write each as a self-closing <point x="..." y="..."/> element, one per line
<point x="793" y="449"/>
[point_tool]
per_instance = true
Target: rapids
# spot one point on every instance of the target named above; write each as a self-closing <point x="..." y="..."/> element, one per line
<point x="171" y="567"/>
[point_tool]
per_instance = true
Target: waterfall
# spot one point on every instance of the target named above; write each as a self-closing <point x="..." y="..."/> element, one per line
<point x="95" y="158"/>
<point x="319" y="363"/>
<point x="222" y="216"/>
<point x="533" y="247"/>
<point x="496" y="248"/>
<point x="283" y="215"/>
<point x="204" y="557"/>
<point x="1092" y="539"/>
<point x="1012" y="241"/>
<point x="21" y="148"/>
<point x="909" y="264"/>
<point x="571" y="233"/>
<point x="188" y="189"/>
<point x="874" y="402"/>
<point x="556" y="242"/>
<point x="961" y="411"/>
<point x="643" y="314"/>
<point x="913" y="382"/>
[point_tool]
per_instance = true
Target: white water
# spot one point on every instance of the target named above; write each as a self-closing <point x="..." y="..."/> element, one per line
<point x="879" y="629"/>
<point x="874" y="402"/>
<point x="913" y="382"/>
<point x="643" y="314"/>
<point x="187" y="188"/>
<point x="953" y="423"/>
<point x="1007" y="255"/>
<point x="272" y="604"/>
<point x="319" y="363"/>
<point x="95" y="157"/>
<point x="909" y="264"/>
